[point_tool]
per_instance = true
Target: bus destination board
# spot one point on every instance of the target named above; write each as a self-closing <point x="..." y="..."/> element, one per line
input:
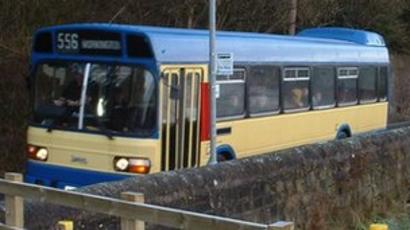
<point x="88" y="42"/>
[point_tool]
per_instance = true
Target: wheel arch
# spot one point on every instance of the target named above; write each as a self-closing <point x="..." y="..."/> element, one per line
<point x="344" y="128"/>
<point x="226" y="150"/>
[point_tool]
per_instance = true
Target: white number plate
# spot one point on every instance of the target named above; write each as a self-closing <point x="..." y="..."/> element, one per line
<point x="67" y="42"/>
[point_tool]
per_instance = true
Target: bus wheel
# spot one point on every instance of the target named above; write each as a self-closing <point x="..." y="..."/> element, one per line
<point x="223" y="157"/>
<point x="342" y="135"/>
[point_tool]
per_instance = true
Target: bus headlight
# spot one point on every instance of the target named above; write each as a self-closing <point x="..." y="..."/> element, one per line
<point x="42" y="154"/>
<point x="121" y="164"/>
<point x="37" y="153"/>
<point x="132" y="165"/>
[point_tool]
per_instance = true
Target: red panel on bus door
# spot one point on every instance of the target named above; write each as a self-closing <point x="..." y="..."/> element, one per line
<point x="205" y="112"/>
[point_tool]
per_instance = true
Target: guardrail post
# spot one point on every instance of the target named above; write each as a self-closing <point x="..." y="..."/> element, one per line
<point x="14" y="204"/>
<point x="130" y="224"/>
<point x="65" y="225"/>
<point x="282" y="225"/>
<point x="379" y="227"/>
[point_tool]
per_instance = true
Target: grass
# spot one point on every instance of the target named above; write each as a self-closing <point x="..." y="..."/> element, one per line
<point x="399" y="223"/>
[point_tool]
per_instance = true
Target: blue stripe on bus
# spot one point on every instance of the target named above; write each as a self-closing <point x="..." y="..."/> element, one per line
<point x="59" y="177"/>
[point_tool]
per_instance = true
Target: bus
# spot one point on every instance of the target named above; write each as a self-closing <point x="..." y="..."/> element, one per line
<point x="112" y="101"/>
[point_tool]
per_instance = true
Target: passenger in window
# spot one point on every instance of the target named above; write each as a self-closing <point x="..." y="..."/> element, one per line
<point x="72" y="93"/>
<point x="297" y="98"/>
<point x="120" y="98"/>
<point x="317" y="99"/>
<point x="258" y="102"/>
<point x="119" y="110"/>
<point x="234" y="101"/>
<point x="346" y="92"/>
<point x="262" y="101"/>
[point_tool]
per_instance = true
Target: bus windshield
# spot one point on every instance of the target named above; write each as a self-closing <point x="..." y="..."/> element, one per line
<point x="117" y="99"/>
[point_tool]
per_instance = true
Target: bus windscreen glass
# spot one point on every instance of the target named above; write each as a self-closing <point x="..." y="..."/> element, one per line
<point x="118" y="99"/>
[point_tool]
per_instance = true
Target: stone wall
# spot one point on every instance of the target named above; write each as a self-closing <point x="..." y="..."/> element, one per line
<point x="400" y="88"/>
<point x="331" y="183"/>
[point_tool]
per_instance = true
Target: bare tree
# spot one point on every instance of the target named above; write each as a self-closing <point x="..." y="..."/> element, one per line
<point x="293" y="16"/>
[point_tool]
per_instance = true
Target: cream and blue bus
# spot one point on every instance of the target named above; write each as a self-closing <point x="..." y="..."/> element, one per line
<point x="112" y="101"/>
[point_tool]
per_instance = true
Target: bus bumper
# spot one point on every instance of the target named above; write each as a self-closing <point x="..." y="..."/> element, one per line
<point x="65" y="177"/>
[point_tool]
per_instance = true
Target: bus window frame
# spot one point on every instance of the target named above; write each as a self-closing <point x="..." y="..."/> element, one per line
<point x="324" y="107"/>
<point x="284" y="79"/>
<point x="364" y="102"/>
<point x="228" y="81"/>
<point x="297" y="78"/>
<point x="338" y="77"/>
<point x="264" y="114"/>
<point x="388" y="77"/>
<point x="155" y="131"/>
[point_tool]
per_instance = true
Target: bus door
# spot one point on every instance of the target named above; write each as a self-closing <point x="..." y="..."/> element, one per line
<point x="180" y="117"/>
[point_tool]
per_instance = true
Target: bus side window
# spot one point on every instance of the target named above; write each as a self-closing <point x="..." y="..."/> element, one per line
<point x="323" y="87"/>
<point x="382" y="83"/>
<point x="230" y="103"/>
<point x="367" y="84"/>
<point x="263" y="89"/>
<point x="295" y="90"/>
<point x="347" y="85"/>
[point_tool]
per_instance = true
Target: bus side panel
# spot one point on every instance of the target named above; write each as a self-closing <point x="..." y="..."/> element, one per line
<point x="260" y="135"/>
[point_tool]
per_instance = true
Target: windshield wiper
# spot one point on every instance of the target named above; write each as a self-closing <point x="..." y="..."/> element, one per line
<point x="101" y="125"/>
<point x="104" y="129"/>
<point x="58" y="119"/>
<point x="51" y="126"/>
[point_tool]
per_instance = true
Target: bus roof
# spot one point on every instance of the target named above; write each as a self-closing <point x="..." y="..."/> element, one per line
<point x="331" y="45"/>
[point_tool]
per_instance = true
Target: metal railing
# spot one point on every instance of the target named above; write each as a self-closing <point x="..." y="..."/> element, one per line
<point x="131" y="209"/>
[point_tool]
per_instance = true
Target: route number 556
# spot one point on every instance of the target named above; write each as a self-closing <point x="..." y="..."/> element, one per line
<point x="67" y="41"/>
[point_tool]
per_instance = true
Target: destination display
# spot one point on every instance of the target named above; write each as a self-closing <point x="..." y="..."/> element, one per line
<point x="88" y="42"/>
